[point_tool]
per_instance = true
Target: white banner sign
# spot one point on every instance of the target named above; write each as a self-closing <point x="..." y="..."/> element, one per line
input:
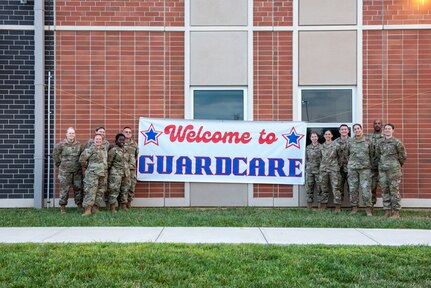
<point x="175" y="150"/>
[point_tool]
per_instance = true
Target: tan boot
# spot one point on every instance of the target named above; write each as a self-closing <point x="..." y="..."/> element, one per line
<point x="354" y="210"/>
<point x="368" y="211"/>
<point x="80" y="208"/>
<point x="87" y="211"/>
<point x="322" y="206"/>
<point x="112" y="208"/>
<point x="129" y="204"/>
<point x="395" y="214"/>
<point x="63" y="209"/>
<point x="337" y="208"/>
<point x="388" y="213"/>
<point x="309" y="205"/>
<point x="95" y="209"/>
<point x="123" y="206"/>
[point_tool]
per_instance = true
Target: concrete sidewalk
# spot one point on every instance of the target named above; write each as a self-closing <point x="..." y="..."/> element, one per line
<point x="213" y="235"/>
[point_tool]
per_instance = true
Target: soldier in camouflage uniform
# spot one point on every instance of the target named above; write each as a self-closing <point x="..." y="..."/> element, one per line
<point x="391" y="154"/>
<point x="131" y="147"/>
<point x="330" y="172"/>
<point x="66" y="158"/>
<point x="343" y="141"/>
<point x="94" y="159"/>
<point x="375" y="137"/>
<point x="360" y="153"/>
<point x="119" y="173"/>
<point x="104" y="190"/>
<point x="312" y="164"/>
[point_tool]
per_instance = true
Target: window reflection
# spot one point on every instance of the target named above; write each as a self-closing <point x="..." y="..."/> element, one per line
<point x="326" y="105"/>
<point x="219" y="104"/>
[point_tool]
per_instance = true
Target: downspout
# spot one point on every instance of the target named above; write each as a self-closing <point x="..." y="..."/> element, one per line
<point x="39" y="101"/>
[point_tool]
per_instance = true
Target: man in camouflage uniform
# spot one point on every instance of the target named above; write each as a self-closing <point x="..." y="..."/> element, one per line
<point x="330" y="172"/>
<point x="391" y="154"/>
<point x="119" y="173"/>
<point x="343" y="141"/>
<point x="375" y="137"/>
<point x="312" y="164"/>
<point x="66" y="158"/>
<point x="132" y="147"/>
<point x="94" y="159"/>
<point x="360" y="153"/>
<point x="104" y="189"/>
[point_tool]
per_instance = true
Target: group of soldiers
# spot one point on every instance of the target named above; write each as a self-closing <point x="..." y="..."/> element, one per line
<point x="362" y="162"/>
<point x="109" y="171"/>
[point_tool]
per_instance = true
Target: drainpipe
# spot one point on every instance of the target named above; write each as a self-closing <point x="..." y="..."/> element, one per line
<point x="39" y="101"/>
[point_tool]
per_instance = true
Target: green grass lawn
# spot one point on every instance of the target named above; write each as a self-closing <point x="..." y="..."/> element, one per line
<point x="174" y="265"/>
<point x="215" y="217"/>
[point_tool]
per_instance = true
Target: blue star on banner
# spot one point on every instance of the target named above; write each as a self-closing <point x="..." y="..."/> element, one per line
<point x="151" y="135"/>
<point x="293" y="138"/>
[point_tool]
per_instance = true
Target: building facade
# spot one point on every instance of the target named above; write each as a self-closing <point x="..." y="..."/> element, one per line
<point x="107" y="63"/>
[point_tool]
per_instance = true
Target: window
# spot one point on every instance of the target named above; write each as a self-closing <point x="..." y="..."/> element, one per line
<point x="327" y="105"/>
<point x="219" y="103"/>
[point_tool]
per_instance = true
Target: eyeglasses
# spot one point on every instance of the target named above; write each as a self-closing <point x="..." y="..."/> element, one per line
<point x="128" y="132"/>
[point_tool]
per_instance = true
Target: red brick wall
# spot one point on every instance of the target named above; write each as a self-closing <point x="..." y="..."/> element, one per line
<point x="397" y="88"/>
<point x="113" y="78"/>
<point x="396" y="12"/>
<point x="272" y="91"/>
<point x="120" y="13"/>
<point x="272" y="13"/>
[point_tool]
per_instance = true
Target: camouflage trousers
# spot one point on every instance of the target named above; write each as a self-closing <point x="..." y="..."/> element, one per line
<point x="374" y="182"/>
<point x="360" y="180"/>
<point x="390" y="183"/>
<point x="131" y="193"/>
<point x="330" y="181"/>
<point x="68" y="179"/>
<point x="94" y="185"/>
<point x="312" y="180"/>
<point x="119" y="186"/>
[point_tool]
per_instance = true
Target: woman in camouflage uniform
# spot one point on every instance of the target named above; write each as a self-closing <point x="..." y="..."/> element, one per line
<point x="312" y="164"/>
<point x="119" y="173"/>
<point x="94" y="159"/>
<point x="391" y="154"/>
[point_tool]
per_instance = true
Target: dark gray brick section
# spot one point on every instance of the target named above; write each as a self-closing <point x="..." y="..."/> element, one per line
<point x="12" y="12"/>
<point x="16" y="113"/>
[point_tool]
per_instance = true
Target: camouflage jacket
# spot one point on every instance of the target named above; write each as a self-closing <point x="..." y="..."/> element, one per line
<point x="360" y="153"/>
<point x="132" y="147"/>
<point x="375" y="139"/>
<point x="313" y="156"/>
<point x="342" y="152"/>
<point x="391" y="154"/>
<point x="95" y="160"/>
<point x="119" y="161"/>
<point x="66" y="155"/>
<point x="105" y="144"/>
<point x="330" y="157"/>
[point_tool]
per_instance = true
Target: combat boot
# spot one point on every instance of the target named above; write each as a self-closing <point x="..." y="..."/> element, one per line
<point x="87" y="211"/>
<point x="322" y="206"/>
<point x="123" y="206"/>
<point x="309" y="205"/>
<point x="337" y="208"/>
<point x="354" y="210"/>
<point x="129" y="204"/>
<point x="112" y="208"/>
<point x="80" y="208"/>
<point x="395" y="214"/>
<point x="95" y="209"/>
<point x="368" y="211"/>
<point x="63" y="209"/>
<point x="388" y="213"/>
